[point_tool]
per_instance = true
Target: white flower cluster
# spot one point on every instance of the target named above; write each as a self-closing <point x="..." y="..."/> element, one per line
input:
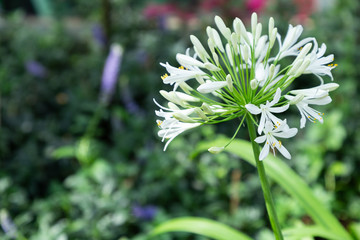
<point x="241" y="76"/>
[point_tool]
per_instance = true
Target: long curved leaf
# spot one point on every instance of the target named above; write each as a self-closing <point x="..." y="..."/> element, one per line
<point x="310" y="231"/>
<point x="282" y="174"/>
<point x="202" y="226"/>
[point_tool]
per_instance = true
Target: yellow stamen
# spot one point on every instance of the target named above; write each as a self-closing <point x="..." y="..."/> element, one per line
<point x="159" y="123"/>
<point x="280" y="143"/>
<point x="164" y="76"/>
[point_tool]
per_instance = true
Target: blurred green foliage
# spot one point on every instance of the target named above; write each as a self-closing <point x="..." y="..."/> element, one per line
<point x="56" y="182"/>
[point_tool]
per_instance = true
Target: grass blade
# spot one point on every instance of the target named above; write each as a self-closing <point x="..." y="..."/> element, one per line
<point x="202" y="226"/>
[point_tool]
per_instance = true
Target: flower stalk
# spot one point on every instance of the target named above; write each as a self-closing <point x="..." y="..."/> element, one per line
<point x="269" y="202"/>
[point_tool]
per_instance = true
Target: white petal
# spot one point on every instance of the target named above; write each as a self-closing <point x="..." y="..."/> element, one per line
<point x="284" y="151"/>
<point x="276" y="97"/>
<point x="262" y="123"/>
<point x="253" y="109"/>
<point x="286" y="134"/>
<point x="209" y="87"/>
<point x="187" y="60"/>
<point x="260" y="139"/>
<point x="264" y="152"/>
<point x="279" y="109"/>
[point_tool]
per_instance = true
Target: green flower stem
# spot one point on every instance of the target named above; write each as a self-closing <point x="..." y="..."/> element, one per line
<point x="264" y="182"/>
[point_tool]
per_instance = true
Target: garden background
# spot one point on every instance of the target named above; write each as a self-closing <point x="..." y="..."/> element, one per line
<point x="73" y="166"/>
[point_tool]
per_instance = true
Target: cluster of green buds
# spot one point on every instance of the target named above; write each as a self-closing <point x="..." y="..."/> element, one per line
<point x="239" y="75"/>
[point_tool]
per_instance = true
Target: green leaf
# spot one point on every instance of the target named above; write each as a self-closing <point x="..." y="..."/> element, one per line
<point x="202" y="226"/>
<point x="282" y="174"/>
<point x="64" y="152"/>
<point x="309" y="231"/>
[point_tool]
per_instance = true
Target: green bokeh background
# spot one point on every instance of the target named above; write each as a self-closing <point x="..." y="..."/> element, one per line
<point x="57" y="182"/>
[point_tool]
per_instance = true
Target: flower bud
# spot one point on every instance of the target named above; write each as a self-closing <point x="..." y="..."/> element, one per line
<point x="329" y="86"/>
<point x="241" y="30"/>
<point x="245" y="51"/>
<point x="254" y="84"/>
<point x="229" y="82"/>
<point x="258" y="32"/>
<point x="211" y="45"/>
<point x="304" y="51"/>
<point x="211" y="86"/>
<point x="186" y="60"/>
<point x="271" y="71"/>
<point x="211" y="67"/>
<point x="222" y="27"/>
<point x="298" y="98"/>
<point x="296" y="65"/>
<point x="207" y="108"/>
<point x="216" y="150"/>
<point x="272" y="37"/>
<point x="253" y="23"/>
<point x="234" y="43"/>
<point x="216" y="58"/>
<point x="183" y="118"/>
<point x="201" y="114"/>
<point x="217" y="40"/>
<point x="229" y="54"/>
<point x="271" y="26"/>
<point x="303" y="67"/>
<point x="199" y="49"/>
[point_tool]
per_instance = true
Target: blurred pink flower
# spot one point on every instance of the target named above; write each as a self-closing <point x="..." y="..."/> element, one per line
<point x="158" y="10"/>
<point x="255" y="5"/>
<point x="209" y="5"/>
<point x="304" y="9"/>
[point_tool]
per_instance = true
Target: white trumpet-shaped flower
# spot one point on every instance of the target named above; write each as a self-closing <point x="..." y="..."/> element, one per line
<point x="270" y="132"/>
<point x="266" y="111"/>
<point x="320" y="65"/>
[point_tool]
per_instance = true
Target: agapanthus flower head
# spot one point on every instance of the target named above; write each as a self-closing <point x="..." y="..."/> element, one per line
<point x="240" y="73"/>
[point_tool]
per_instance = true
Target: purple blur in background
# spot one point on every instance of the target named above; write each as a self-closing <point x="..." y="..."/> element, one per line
<point x="110" y="73"/>
<point x="99" y="35"/>
<point x="146" y="213"/>
<point x="35" y="68"/>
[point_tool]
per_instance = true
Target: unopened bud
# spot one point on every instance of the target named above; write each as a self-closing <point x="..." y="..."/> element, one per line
<point x="217" y="40"/>
<point x="298" y="98"/>
<point x="229" y="82"/>
<point x="329" y="86"/>
<point x="229" y="54"/>
<point x="253" y="23"/>
<point x="303" y="67"/>
<point x="271" y="71"/>
<point x="183" y="118"/>
<point x="295" y="67"/>
<point x="211" y="67"/>
<point x="254" y="84"/>
<point x="211" y="45"/>
<point x="222" y="27"/>
<point x="201" y="114"/>
<point x="272" y="37"/>
<point x="216" y="150"/>
<point x="304" y="51"/>
<point x="216" y="58"/>
<point x="234" y="43"/>
<point x="271" y="25"/>
<point x="258" y="32"/>
<point x="207" y="108"/>
<point x="199" y="49"/>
